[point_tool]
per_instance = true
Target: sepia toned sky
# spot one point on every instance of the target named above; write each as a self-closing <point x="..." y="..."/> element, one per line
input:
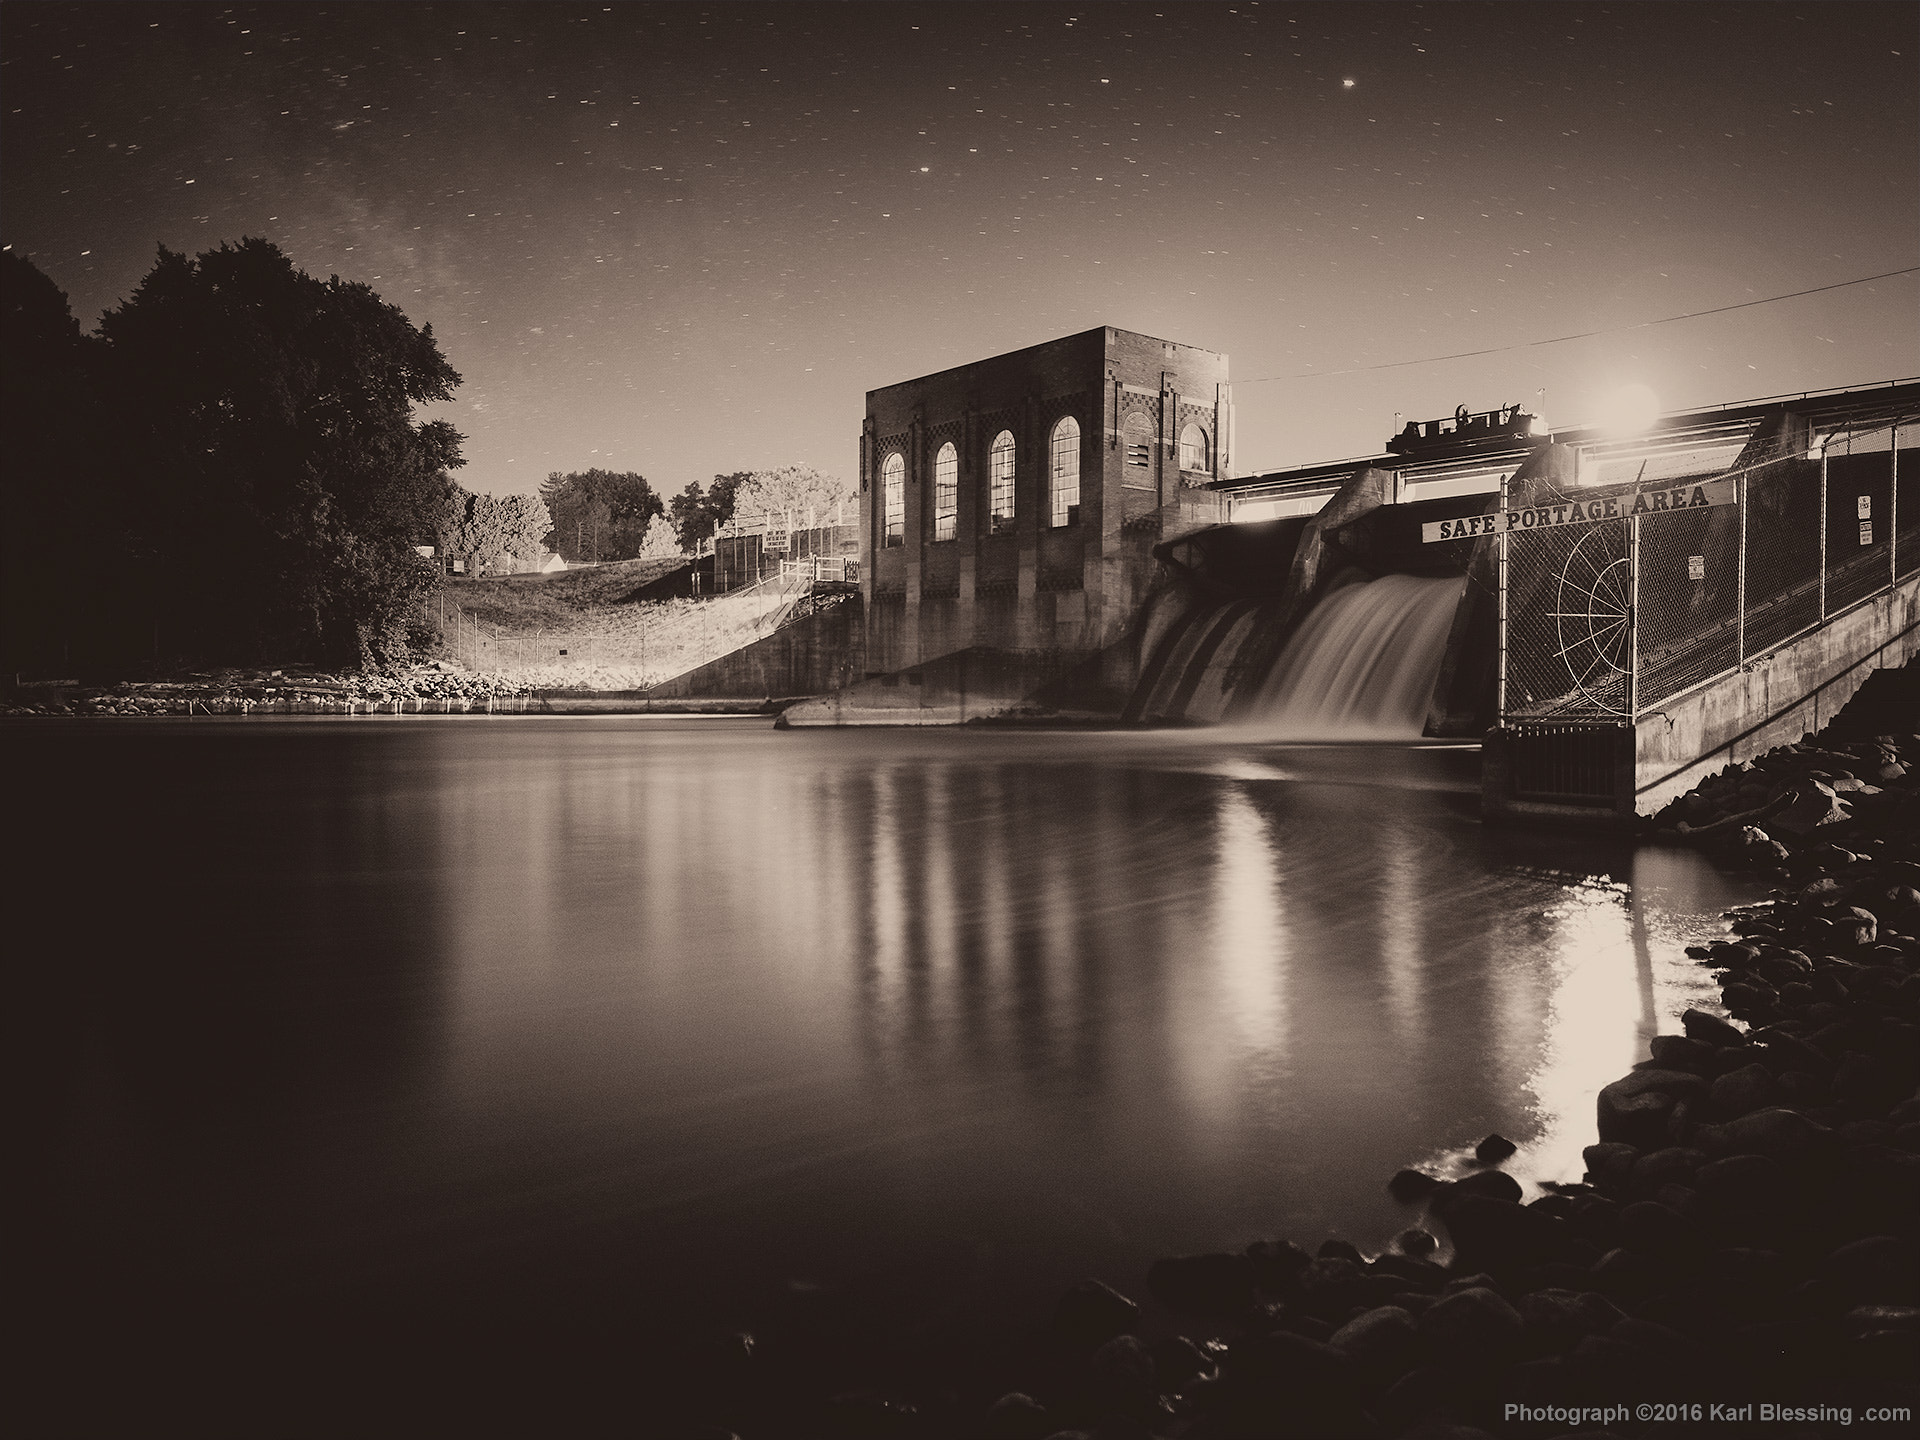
<point x="686" y="239"/>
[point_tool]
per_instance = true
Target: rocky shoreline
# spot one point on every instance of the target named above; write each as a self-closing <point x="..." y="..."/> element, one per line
<point x="426" y="689"/>
<point x="1745" y="1236"/>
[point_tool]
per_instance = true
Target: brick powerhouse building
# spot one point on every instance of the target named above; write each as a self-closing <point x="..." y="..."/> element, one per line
<point x="1012" y="502"/>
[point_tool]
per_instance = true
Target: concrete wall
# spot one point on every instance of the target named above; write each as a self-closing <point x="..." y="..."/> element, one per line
<point x="973" y="684"/>
<point x="810" y="656"/>
<point x="1789" y="692"/>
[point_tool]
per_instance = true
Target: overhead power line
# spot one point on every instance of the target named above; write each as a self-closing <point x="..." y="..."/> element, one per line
<point x="1583" y="335"/>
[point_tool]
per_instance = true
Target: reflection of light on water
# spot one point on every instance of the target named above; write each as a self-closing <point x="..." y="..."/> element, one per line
<point x="1592" y="1025"/>
<point x="889" y="886"/>
<point x="939" y="919"/>
<point x="1249" y="942"/>
<point x="1400" y="941"/>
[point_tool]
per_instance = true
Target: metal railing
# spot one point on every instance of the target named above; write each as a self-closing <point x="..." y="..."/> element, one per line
<point x="1614" y="600"/>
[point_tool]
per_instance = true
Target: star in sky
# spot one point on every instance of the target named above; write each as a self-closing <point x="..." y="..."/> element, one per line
<point x="689" y="238"/>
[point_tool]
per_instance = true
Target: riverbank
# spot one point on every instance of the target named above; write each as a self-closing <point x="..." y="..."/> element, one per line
<point x="424" y="690"/>
<point x="1745" y="1236"/>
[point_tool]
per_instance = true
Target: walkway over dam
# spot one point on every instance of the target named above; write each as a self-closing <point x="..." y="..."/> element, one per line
<point x="1697" y="621"/>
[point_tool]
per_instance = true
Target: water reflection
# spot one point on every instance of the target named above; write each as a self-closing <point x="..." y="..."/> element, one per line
<point x="706" y="1004"/>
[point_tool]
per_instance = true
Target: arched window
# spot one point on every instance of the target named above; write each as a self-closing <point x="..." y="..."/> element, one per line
<point x="1063" y="491"/>
<point x="1139" y="440"/>
<point x="1193" y="448"/>
<point x="946" y="491"/>
<point x="893" y="499"/>
<point x="1000" y="482"/>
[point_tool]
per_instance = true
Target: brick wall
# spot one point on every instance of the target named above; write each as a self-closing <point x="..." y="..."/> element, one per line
<point x="1009" y="589"/>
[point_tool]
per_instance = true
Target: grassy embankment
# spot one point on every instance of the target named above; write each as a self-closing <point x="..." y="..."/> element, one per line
<point x="612" y="638"/>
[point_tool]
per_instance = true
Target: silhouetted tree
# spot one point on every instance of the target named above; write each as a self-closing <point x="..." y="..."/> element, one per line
<point x="59" y="520"/>
<point x="279" y="478"/>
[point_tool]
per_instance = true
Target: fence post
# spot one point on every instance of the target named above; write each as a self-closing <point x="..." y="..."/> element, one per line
<point x="1633" y="619"/>
<point x="1893" y="507"/>
<point x="1740" y="576"/>
<point x="1500" y="564"/>
<point x="1823" y="526"/>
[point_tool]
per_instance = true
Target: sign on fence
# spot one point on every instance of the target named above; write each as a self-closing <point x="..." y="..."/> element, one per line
<point x="1583" y="512"/>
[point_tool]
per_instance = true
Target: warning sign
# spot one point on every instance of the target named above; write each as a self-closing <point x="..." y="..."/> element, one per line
<point x="1696" y="567"/>
<point x="1866" y="532"/>
<point x="1582" y="512"/>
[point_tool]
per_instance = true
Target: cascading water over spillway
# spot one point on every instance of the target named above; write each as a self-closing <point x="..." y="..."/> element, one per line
<point x="1361" y="665"/>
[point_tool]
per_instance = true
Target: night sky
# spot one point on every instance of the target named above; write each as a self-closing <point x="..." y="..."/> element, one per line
<point x="686" y="239"/>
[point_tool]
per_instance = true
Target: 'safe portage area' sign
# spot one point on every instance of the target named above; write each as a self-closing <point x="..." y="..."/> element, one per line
<point x="1583" y="512"/>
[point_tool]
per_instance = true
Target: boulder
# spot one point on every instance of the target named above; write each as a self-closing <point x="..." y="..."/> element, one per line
<point x="1276" y="1265"/>
<point x="1879" y="1268"/>
<point x="1330" y="1288"/>
<point x="1782" y="1052"/>
<point x="1854" y="926"/>
<point x="1625" y="1272"/>
<point x="1381" y="1341"/>
<point x="1408" y="1186"/>
<point x="1610" y="1164"/>
<point x="1680" y="1052"/>
<point x="1284" y="1366"/>
<point x="1495" y="1184"/>
<point x="1473" y="1327"/>
<point x="1178" y="1362"/>
<point x="1711" y="1029"/>
<point x="1634" y="1110"/>
<point x="1501" y="1236"/>
<point x="1814" y="807"/>
<point x="1777" y="1132"/>
<point x="1120" y="1378"/>
<point x="1674" y="1164"/>
<point x="1742" y="1091"/>
<point x="1650" y="1228"/>
<point x="1411" y="1271"/>
<point x="1494" y="1149"/>
<point x="1017" y="1416"/>
<point x="1557" y="1319"/>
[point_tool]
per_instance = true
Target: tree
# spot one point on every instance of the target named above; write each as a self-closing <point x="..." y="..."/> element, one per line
<point x="494" y="532"/>
<point x="797" y="494"/>
<point x="50" y="430"/>
<point x="698" y="513"/>
<point x="269" y="477"/>
<point x="599" y="515"/>
<point x="661" y="544"/>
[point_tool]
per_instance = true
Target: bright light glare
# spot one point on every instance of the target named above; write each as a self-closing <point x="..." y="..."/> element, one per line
<point x="1629" y="410"/>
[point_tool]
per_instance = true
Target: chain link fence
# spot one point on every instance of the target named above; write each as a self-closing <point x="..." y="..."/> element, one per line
<point x="1906" y="502"/>
<point x="1859" y="480"/>
<point x="1568" y="645"/>
<point x="1615" y="599"/>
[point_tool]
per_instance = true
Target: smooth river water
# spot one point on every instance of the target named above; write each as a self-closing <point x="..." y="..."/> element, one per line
<point x="694" y="1019"/>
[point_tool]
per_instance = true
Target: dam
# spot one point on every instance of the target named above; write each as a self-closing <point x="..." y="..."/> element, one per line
<point x="1056" y="535"/>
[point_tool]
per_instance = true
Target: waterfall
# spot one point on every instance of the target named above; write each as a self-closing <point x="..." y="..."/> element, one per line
<point x="1362" y="664"/>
